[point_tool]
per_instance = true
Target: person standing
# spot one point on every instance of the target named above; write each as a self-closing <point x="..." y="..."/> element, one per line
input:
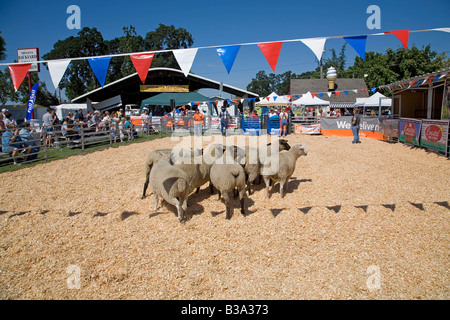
<point x="283" y="122"/>
<point x="224" y="119"/>
<point x="198" y="122"/>
<point x="356" y="120"/>
<point x="47" y="120"/>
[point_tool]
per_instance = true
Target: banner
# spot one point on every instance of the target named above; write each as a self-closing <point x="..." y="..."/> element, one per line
<point x="307" y="129"/>
<point x="359" y="44"/>
<point x="271" y="51"/>
<point x="31" y="100"/>
<point x="57" y="69"/>
<point x="185" y="59"/>
<point x="228" y="55"/>
<point x="315" y="45"/>
<point x="142" y="63"/>
<point x="369" y="127"/>
<point x="100" y="68"/>
<point x="18" y="73"/>
<point x="410" y="131"/>
<point x="434" y="135"/>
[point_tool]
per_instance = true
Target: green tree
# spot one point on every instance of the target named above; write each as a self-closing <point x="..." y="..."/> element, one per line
<point x="167" y="38"/>
<point x="2" y="47"/>
<point x="79" y="77"/>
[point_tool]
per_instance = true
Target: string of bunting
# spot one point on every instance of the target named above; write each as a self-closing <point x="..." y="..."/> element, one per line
<point x="185" y="57"/>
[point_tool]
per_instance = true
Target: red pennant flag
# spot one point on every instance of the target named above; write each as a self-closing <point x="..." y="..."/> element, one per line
<point x="217" y="102"/>
<point x="313" y="95"/>
<point x="268" y="98"/>
<point x="271" y="51"/>
<point x="18" y="73"/>
<point x="142" y="63"/>
<point x="337" y="93"/>
<point x="402" y="35"/>
<point x="198" y="103"/>
<point x="431" y="79"/>
<point x="364" y="89"/>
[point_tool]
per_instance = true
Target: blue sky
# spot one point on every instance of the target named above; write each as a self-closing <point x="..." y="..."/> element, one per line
<point x="40" y="24"/>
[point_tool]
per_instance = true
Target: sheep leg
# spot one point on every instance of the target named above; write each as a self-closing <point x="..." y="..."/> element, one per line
<point x="226" y="199"/>
<point x="266" y="181"/>
<point x="241" y="197"/>
<point x="211" y="188"/>
<point x="156" y="203"/>
<point x="281" y="189"/>
<point x="147" y="180"/>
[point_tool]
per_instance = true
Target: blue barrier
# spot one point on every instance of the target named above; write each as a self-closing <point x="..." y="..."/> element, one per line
<point x="273" y="125"/>
<point x="251" y="125"/>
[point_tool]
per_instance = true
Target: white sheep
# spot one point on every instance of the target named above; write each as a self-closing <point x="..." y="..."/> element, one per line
<point x="227" y="175"/>
<point x="281" y="166"/>
<point x="252" y="159"/>
<point x="170" y="183"/>
<point x="168" y="155"/>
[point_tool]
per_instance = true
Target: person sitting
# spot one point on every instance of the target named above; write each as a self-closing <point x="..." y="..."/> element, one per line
<point x="28" y="139"/>
<point x="11" y="143"/>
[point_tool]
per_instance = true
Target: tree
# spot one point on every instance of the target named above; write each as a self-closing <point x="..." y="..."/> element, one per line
<point x="167" y="38"/>
<point x="79" y="77"/>
<point x="2" y="47"/>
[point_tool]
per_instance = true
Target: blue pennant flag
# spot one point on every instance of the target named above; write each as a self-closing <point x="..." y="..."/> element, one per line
<point x="437" y="77"/>
<point x="359" y="44"/>
<point x="320" y="94"/>
<point x="100" y="68"/>
<point x="228" y="55"/>
<point x="374" y="89"/>
<point x="31" y="101"/>
<point x="296" y="95"/>
<point x="346" y="92"/>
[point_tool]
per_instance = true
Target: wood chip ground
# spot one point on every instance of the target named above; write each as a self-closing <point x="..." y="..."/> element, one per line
<point x="366" y="221"/>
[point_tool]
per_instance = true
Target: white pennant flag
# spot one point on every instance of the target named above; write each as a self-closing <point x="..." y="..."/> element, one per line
<point x="355" y="90"/>
<point x="329" y="93"/>
<point x="185" y="58"/>
<point x="442" y="29"/>
<point x="316" y="46"/>
<point x="57" y="69"/>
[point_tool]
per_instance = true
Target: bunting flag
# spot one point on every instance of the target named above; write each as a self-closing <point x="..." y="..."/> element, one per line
<point x="329" y="93"/>
<point x="228" y="55"/>
<point x="18" y="73"/>
<point x="57" y="69"/>
<point x="442" y="29"/>
<point x="346" y="92"/>
<point x="142" y="63"/>
<point x="402" y="35"/>
<point x="437" y="77"/>
<point x="313" y="95"/>
<point x="316" y="46"/>
<point x="185" y="59"/>
<point x="373" y="90"/>
<point x="100" y="68"/>
<point x="337" y="93"/>
<point x="321" y="95"/>
<point x="359" y="44"/>
<point x="271" y="51"/>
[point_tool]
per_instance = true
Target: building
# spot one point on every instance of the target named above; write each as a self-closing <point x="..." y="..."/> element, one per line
<point x="131" y="91"/>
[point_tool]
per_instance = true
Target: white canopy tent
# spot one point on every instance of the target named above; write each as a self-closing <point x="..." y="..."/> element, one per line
<point x="63" y="109"/>
<point x="376" y="100"/>
<point x="274" y="100"/>
<point x="308" y="100"/>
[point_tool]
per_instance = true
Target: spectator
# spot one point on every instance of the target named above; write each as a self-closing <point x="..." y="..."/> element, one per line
<point x="283" y="122"/>
<point x="47" y="120"/>
<point x="198" y="122"/>
<point x="80" y="115"/>
<point x="224" y="120"/>
<point x="356" y="119"/>
<point x="11" y="143"/>
<point x="106" y="121"/>
<point x="88" y="116"/>
<point x="145" y="120"/>
<point x="2" y="123"/>
<point x="8" y="119"/>
<point x="26" y="135"/>
<point x="346" y="112"/>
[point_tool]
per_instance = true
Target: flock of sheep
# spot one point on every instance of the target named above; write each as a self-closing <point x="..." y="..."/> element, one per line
<point x="173" y="174"/>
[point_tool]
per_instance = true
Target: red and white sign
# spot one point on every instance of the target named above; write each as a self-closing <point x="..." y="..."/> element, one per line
<point x="29" y="55"/>
<point x="433" y="133"/>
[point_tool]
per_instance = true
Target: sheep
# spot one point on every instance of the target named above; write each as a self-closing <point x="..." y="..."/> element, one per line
<point x="171" y="183"/>
<point x="166" y="154"/>
<point x="227" y="175"/>
<point x="254" y="157"/>
<point x="280" y="167"/>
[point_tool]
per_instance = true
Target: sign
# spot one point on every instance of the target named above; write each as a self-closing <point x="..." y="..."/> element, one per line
<point x="410" y="131"/>
<point x="29" y="55"/>
<point x="31" y="101"/>
<point x="434" y="135"/>
<point x="307" y="129"/>
<point x="164" y="88"/>
<point x="369" y="127"/>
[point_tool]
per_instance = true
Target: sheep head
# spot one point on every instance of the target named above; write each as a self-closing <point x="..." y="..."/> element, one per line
<point x="299" y="150"/>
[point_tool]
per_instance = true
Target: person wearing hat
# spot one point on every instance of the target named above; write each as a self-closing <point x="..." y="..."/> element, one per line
<point x="224" y="120"/>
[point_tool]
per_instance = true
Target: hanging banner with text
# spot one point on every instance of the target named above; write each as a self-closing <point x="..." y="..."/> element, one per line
<point x="307" y="129"/>
<point x="434" y="135"/>
<point x="369" y="127"/>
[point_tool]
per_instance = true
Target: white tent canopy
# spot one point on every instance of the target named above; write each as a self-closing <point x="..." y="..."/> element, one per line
<point x="374" y="101"/>
<point x="63" y="109"/>
<point x="308" y="100"/>
<point x="274" y="100"/>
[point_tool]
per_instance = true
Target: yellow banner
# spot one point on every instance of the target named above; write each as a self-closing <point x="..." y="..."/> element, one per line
<point x="163" y="88"/>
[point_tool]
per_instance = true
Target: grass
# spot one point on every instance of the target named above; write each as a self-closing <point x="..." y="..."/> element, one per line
<point x="62" y="153"/>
